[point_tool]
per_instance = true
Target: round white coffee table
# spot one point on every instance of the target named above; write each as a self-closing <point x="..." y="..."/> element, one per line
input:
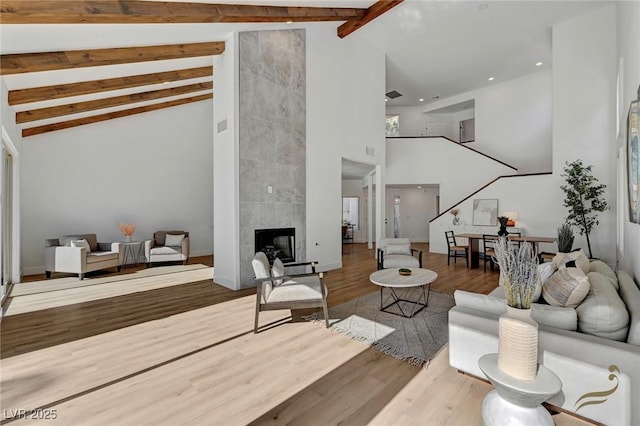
<point x="392" y="280"/>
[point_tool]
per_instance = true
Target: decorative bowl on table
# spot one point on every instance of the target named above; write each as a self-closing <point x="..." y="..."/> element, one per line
<point x="404" y="271"/>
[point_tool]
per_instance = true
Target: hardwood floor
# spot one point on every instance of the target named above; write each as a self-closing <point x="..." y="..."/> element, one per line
<point x="167" y="349"/>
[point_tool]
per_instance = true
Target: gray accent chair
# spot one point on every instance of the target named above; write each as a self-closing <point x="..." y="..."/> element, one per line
<point x="60" y="256"/>
<point x="156" y="250"/>
<point x="397" y="253"/>
<point x="275" y="292"/>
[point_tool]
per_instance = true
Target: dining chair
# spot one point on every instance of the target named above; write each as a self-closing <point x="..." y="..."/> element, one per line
<point x="455" y="250"/>
<point x="488" y="250"/>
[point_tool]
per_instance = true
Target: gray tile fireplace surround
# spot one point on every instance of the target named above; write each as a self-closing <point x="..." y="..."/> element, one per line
<point x="272" y="133"/>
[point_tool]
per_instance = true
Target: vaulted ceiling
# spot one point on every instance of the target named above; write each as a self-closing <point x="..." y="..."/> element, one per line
<point x="433" y="48"/>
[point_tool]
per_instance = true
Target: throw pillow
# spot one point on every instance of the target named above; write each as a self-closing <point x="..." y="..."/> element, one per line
<point x="404" y="248"/>
<point x="173" y="240"/>
<point x="578" y="256"/>
<point x="81" y="243"/>
<point x="568" y="286"/>
<point x="277" y="270"/>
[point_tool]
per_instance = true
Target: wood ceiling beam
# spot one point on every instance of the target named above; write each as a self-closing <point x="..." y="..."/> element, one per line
<point x="59" y="91"/>
<point x="18" y="63"/>
<point x="135" y="11"/>
<point x="111" y="115"/>
<point x="375" y="10"/>
<point x="78" y="107"/>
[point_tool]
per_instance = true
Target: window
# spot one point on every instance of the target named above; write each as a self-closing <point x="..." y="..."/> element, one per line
<point x="350" y="215"/>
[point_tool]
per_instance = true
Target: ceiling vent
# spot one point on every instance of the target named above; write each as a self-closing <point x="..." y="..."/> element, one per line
<point x="393" y="94"/>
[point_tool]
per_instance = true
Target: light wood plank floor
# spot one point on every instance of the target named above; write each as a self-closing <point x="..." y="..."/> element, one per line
<point x="184" y="353"/>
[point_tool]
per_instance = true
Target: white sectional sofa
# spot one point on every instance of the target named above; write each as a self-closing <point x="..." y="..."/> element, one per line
<point x="594" y="348"/>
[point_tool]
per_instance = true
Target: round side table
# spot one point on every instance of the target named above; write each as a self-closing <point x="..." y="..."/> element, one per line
<point x="517" y="402"/>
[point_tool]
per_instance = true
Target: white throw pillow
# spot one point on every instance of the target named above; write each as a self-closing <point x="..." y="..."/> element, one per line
<point x="568" y="286"/>
<point x="81" y="243"/>
<point x="173" y="240"/>
<point x="581" y="259"/>
<point x="398" y="249"/>
<point x="277" y="270"/>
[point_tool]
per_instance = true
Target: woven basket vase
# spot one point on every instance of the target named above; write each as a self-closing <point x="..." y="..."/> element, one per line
<point x="518" y="344"/>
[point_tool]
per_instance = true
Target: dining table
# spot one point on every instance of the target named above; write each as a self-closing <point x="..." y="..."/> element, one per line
<point x="474" y="245"/>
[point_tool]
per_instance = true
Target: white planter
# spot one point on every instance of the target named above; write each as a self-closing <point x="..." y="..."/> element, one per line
<point x="518" y="344"/>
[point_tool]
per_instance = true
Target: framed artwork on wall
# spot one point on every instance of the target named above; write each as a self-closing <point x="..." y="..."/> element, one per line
<point x="633" y="166"/>
<point x="485" y="212"/>
<point x="392" y="125"/>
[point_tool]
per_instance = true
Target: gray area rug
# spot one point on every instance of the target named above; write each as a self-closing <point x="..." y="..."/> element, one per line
<point x="415" y="340"/>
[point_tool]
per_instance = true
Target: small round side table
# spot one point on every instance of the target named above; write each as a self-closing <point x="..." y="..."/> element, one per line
<point x="517" y="402"/>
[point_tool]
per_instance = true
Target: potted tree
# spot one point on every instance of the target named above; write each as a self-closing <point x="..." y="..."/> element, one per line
<point x="583" y="198"/>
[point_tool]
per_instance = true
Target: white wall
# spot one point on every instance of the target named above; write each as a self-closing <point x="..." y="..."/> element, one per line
<point x="628" y="16"/>
<point x="536" y="199"/>
<point x="152" y="169"/>
<point x="512" y="118"/>
<point x="417" y="208"/>
<point x="226" y="210"/>
<point x="345" y="114"/>
<point x="457" y="169"/>
<point x="412" y="121"/>
<point x="584" y="84"/>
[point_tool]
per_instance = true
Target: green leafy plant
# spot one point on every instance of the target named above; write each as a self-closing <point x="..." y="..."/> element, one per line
<point x="583" y="198"/>
<point x="518" y="272"/>
<point x="565" y="238"/>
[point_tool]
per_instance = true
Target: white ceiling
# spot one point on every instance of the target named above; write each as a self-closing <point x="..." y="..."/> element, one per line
<point x="433" y="48"/>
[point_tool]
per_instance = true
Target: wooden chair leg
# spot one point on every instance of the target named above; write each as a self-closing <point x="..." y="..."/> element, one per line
<point x="255" y="324"/>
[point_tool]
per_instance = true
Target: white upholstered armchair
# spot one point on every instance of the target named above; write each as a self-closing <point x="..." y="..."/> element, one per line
<point x="397" y="253"/>
<point x="78" y="254"/>
<point x="277" y="290"/>
<point x="167" y="246"/>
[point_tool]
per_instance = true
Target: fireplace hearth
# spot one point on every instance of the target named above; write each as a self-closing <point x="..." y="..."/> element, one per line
<point x="277" y="242"/>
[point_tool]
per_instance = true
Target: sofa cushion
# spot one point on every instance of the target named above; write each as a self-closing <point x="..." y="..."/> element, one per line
<point x="260" y="265"/>
<point x="496" y="304"/>
<point x="173" y="240"/>
<point x="581" y="259"/>
<point x="81" y="243"/>
<point x="603" y="313"/>
<point x="568" y="286"/>
<point x="277" y="270"/>
<point x="630" y="294"/>
<point x="65" y="240"/>
<point x="401" y="261"/>
<point x="398" y="248"/>
<point x="165" y="250"/>
<point x="101" y="256"/>
<point x="604" y="269"/>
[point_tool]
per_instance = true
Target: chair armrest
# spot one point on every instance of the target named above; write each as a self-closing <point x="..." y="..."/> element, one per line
<point x="257" y="281"/>
<point x="312" y="264"/>
<point x="148" y="245"/>
<point x="65" y="259"/>
<point x="380" y="258"/>
<point x="185" y="246"/>
<point x="419" y="255"/>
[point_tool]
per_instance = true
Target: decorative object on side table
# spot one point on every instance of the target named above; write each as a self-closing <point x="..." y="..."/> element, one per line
<point x="583" y="198"/>
<point x="517" y="331"/>
<point x="456" y="219"/>
<point x="128" y="229"/>
<point x="503" y="226"/>
<point x="404" y="271"/>
<point x="565" y="238"/>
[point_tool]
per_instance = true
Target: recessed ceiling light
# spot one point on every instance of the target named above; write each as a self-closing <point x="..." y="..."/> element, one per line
<point x="491" y="78"/>
<point x="538" y="64"/>
<point x="421" y="100"/>
<point x="483" y="6"/>
<point x="386" y="100"/>
<point x="419" y="187"/>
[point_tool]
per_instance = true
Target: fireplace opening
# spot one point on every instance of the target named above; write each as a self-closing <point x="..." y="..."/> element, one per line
<point x="277" y="242"/>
